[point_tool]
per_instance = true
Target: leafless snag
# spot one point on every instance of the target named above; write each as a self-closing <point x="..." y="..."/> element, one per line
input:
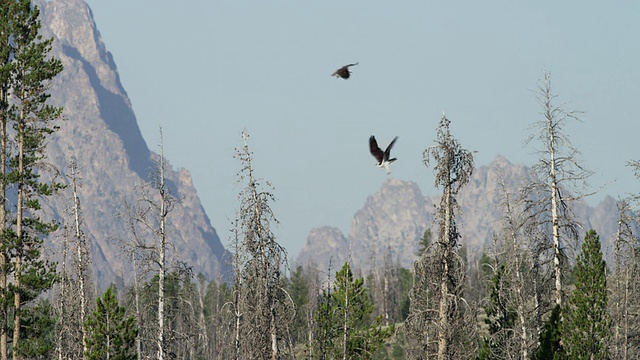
<point x="561" y="180"/>
<point x="263" y="308"/>
<point x="438" y="309"/>
<point x="624" y="303"/>
<point x="154" y="253"/>
<point x="74" y="295"/>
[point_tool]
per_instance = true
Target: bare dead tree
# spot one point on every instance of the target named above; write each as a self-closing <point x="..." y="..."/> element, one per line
<point x="73" y="296"/>
<point x="520" y="265"/>
<point x="386" y="287"/>
<point x="438" y="309"/>
<point x="83" y="255"/>
<point x="148" y="219"/>
<point x="264" y="309"/>
<point x="561" y="180"/>
<point x="513" y="308"/>
<point x="624" y="287"/>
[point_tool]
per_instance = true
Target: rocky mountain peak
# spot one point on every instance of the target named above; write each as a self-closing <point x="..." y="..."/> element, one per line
<point x="393" y="220"/>
<point x="100" y="132"/>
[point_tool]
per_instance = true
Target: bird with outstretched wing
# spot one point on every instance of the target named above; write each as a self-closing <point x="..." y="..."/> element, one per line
<point x="344" y="72"/>
<point x="383" y="158"/>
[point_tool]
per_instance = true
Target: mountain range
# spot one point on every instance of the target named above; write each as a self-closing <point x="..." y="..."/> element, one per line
<point x="101" y="133"/>
<point x="393" y="220"/>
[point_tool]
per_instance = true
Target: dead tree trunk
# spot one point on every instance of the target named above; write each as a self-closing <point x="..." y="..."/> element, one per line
<point x="442" y="297"/>
<point x="561" y="180"/>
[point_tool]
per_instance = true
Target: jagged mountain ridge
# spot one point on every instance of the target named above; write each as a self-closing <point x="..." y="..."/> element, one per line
<point x="396" y="217"/>
<point x="100" y="131"/>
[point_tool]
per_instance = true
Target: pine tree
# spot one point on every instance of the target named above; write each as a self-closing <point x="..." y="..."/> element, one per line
<point x="33" y="121"/>
<point x="345" y="330"/>
<point x="425" y="242"/>
<point x="585" y="328"/>
<point x="298" y="288"/>
<point x="550" y="342"/>
<point x="501" y="319"/>
<point x="6" y="55"/>
<point x="39" y="324"/>
<point x="112" y="334"/>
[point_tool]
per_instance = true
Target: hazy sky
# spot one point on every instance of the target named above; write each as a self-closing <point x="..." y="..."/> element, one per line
<point x="206" y="70"/>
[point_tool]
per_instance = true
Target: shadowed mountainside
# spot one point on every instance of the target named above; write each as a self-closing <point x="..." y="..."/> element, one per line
<point x="100" y="131"/>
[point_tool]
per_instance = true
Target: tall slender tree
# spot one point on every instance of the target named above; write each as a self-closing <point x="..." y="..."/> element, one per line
<point x="148" y="220"/>
<point x="561" y="180"/>
<point x="436" y="318"/>
<point x="625" y="287"/>
<point x="516" y="274"/>
<point x="6" y="64"/>
<point x="32" y="122"/>
<point x="74" y="287"/>
<point x="264" y="307"/>
<point x="586" y="326"/>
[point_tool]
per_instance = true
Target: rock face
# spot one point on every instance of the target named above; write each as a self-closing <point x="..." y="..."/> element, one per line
<point x="395" y="218"/>
<point x="325" y="247"/>
<point x="101" y="133"/>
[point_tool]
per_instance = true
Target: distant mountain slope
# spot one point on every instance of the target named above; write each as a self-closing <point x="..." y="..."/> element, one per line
<point x="396" y="217"/>
<point x="101" y="132"/>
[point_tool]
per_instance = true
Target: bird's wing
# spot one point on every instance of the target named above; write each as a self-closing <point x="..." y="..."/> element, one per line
<point x="375" y="150"/>
<point x="343" y="72"/>
<point x="387" y="152"/>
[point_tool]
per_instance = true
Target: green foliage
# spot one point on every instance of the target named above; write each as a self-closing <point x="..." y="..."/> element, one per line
<point x="345" y="313"/>
<point x="406" y="280"/>
<point x="586" y="326"/>
<point x="26" y="72"/>
<point x="111" y="333"/>
<point x="39" y="324"/>
<point x="500" y="318"/>
<point x="298" y="288"/>
<point x="424" y="242"/>
<point x="550" y="345"/>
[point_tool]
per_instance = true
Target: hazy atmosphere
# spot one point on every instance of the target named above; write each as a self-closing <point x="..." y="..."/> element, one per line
<point x="205" y="71"/>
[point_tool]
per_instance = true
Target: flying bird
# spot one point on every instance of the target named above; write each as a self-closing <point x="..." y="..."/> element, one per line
<point x="344" y="72"/>
<point x="383" y="158"/>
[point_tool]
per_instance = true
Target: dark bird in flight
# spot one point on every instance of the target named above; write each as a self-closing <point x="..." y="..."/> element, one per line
<point x="383" y="158"/>
<point x="343" y="72"/>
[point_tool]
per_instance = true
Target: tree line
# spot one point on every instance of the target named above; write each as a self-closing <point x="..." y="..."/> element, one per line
<point x="540" y="290"/>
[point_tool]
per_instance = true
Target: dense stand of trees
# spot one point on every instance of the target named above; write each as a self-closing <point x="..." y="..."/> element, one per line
<point x="533" y="293"/>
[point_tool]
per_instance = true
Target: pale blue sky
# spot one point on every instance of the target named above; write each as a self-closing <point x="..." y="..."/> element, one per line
<point x="206" y="70"/>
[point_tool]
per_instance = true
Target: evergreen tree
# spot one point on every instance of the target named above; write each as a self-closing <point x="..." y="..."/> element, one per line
<point x="23" y="155"/>
<point x="344" y="327"/>
<point x="6" y="55"/>
<point x="298" y="288"/>
<point x="425" y="242"/>
<point x="501" y="318"/>
<point x="40" y="328"/>
<point x="586" y="326"/>
<point x="550" y="344"/>
<point x="112" y="334"/>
